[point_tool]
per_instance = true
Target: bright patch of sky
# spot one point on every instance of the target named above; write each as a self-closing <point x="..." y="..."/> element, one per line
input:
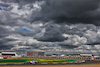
<point x="24" y="29"/>
<point x="0" y="8"/>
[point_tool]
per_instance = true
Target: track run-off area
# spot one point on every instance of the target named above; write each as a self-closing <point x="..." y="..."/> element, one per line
<point x="90" y="65"/>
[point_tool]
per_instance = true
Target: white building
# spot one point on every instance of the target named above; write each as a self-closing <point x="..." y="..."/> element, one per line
<point x="86" y="55"/>
<point x="8" y="54"/>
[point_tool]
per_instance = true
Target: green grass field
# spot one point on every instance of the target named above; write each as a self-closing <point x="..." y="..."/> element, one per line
<point x="29" y="59"/>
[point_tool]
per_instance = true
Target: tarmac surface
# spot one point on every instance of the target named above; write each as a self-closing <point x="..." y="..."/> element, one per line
<point x="55" y="63"/>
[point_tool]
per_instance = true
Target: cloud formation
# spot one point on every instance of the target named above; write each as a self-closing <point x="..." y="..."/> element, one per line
<point x="70" y="11"/>
<point x="51" y="26"/>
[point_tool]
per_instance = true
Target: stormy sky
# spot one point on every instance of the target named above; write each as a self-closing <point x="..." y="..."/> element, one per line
<point x="51" y="26"/>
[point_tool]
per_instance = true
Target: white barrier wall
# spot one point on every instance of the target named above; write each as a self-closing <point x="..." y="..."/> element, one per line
<point x="1" y="57"/>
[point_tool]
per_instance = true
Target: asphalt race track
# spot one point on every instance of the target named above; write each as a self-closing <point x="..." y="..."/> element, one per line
<point x="75" y="63"/>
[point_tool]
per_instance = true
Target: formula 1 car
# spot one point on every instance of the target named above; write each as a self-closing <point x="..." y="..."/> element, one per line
<point x="31" y="62"/>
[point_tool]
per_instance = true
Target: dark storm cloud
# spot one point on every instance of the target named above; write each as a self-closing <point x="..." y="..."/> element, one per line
<point x="67" y="46"/>
<point x="95" y="43"/>
<point x="5" y="45"/>
<point x="52" y="37"/>
<point x="74" y="18"/>
<point x="52" y="34"/>
<point x="69" y="11"/>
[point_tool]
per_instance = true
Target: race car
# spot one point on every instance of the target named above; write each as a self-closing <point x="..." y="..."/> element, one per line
<point x="31" y="62"/>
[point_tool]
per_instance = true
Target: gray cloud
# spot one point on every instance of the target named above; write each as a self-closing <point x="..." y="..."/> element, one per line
<point x="60" y="26"/>
<point x="4" y="45"/>
<point x="18" y="1"/>
<point x="67" y="46"/>
<point x="52" y="34"/>
<point x="69" y="11"/>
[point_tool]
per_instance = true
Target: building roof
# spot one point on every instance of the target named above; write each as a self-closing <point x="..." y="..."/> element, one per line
<point x="8" y="52"/>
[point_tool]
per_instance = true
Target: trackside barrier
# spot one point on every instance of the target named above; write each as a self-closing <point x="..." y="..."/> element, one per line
<point x="55" y="63"/>
<point x="44" y="63"/>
